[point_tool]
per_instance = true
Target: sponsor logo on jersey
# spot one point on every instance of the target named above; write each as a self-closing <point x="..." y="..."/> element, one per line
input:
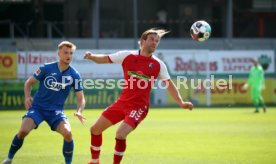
<point x="138" y="74"/>
<point x="50" y="82"/>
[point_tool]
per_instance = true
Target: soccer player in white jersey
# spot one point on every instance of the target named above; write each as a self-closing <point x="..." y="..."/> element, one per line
<point x="140" y="68"/>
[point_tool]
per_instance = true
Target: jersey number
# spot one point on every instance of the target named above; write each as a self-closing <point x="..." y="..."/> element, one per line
<point x="136" y="114"/>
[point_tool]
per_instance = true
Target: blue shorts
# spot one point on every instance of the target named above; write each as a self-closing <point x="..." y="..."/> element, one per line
<point x="53" y="118"/>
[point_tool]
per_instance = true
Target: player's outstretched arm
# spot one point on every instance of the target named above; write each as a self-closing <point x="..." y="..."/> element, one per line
<point x="97" y="58"/>
<point x="27" y="92"/>
<point x="176" y="95"/>
<point x="81" y="105"/>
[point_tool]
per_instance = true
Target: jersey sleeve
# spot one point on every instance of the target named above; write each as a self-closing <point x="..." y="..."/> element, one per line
<point x="77" y="82"/>
<point x="39" y="74"/>
<point x="163" y="74"/>
<point x="118" y="57"/>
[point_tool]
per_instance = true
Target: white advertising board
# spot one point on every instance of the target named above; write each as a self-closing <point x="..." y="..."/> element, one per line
<point x="215" y="62"/>
<point x="28" y="62"/>
<point x="179" y="62"/>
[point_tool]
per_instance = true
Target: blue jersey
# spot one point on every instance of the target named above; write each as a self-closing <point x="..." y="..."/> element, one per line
<point x="54" y="86"/>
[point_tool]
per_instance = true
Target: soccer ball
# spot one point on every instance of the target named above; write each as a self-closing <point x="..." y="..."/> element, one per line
<point x="200" y="31"/>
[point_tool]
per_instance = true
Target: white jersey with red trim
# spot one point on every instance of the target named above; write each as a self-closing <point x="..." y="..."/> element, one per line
<point x="140" y="72"/>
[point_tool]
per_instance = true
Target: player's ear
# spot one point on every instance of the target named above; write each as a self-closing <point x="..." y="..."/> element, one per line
<point x="58" y="52"/>
<point x="141" y="42"/>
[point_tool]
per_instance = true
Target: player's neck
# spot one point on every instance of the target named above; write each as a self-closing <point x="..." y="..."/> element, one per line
<point x="62" y="66"/>
<point x="145" y="53"/>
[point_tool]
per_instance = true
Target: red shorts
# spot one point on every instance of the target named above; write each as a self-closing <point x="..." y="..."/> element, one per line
<point x="132" y="115"/>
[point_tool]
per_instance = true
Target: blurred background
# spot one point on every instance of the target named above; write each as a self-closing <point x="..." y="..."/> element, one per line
<point x="30" y="31"/>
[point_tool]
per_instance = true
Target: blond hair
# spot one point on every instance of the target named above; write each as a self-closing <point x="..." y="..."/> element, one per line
<point x="159" y="32"/>
<point x="67" y="44"/>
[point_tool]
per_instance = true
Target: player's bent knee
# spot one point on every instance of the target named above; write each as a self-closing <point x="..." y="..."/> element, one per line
<point x="121" y="135"/>
<point x="95" y="130"/>
<point x="67" y="135"/>
<point x="23" y="133"/>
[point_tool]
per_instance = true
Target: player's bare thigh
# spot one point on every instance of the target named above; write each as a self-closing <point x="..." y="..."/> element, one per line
<point x="123" y="130"/>
<point x="100" y="125"/>
<point x="64" y="128"/>
<point x="26" y="126"/>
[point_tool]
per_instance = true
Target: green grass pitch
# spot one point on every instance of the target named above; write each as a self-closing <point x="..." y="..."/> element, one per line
<point x="206" y="135"/>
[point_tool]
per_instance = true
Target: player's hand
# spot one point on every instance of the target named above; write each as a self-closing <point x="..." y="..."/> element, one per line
<point x="28" y="103"/>
<point x="80" y="117"/>
<point x="187" y="105"/>
<point x="245" y="86"/>
<point x="87" y="55"/>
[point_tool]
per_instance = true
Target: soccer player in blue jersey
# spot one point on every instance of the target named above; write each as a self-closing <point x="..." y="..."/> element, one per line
<point x="55" y="81"/>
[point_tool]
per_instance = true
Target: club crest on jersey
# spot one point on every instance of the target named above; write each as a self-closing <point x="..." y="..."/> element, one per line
<point x="37" y="72"/>
<point x="150" y="65"/>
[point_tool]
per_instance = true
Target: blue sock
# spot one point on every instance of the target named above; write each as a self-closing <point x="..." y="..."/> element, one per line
<point x="68" y="148"/>
<point x="15" y="145"/>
